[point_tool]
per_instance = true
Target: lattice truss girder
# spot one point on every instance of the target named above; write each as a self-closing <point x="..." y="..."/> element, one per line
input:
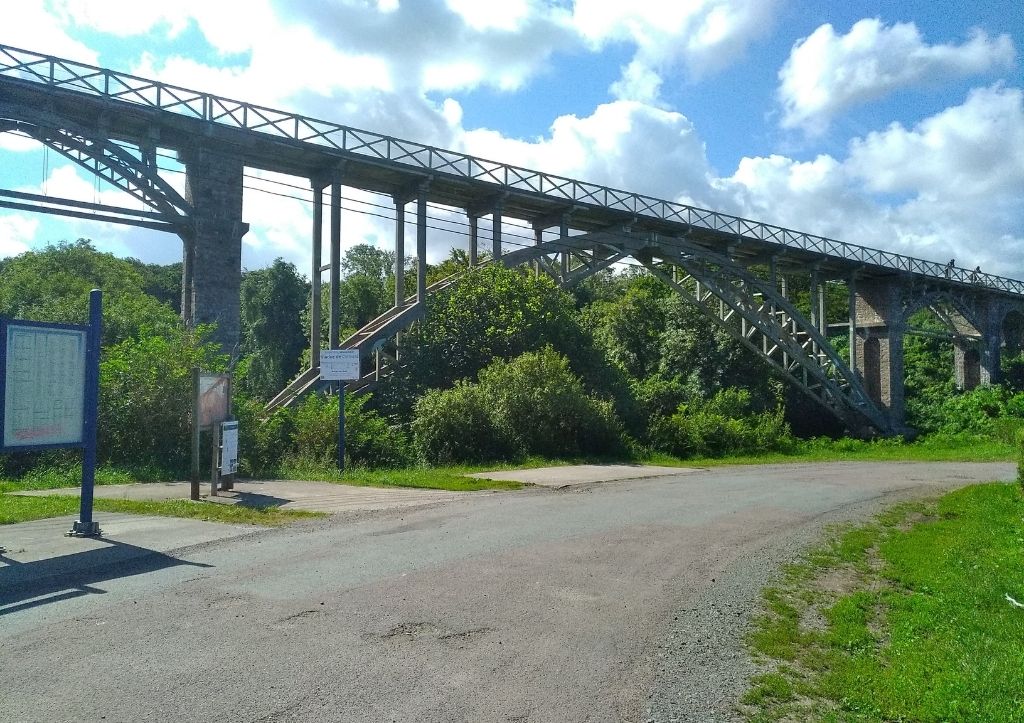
<point x="749" y="308"/>
<point x="127" y="167"/>
<point x="753" y="311"/>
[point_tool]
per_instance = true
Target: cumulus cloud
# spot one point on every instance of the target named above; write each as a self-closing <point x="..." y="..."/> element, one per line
<point x="15" y="233"/>
<point x="17" y="143"/>
<point x="34" y="28"/>
<point x="606" y="147"/>
<point x="827" y="73"/>
<point x="951" y="186"/>
<point x="702" y="36"/>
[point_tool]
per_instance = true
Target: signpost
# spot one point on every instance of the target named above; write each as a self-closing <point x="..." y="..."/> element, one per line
<point x="49" y="382"/>
<point x="340" y="365"/>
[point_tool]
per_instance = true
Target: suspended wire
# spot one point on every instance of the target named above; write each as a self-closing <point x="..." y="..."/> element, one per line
<point x="386" y="212"/>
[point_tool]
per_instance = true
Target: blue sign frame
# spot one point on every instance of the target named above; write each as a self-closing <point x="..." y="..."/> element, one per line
<point x="5" y="324"/>
<point x="85" y="526"/>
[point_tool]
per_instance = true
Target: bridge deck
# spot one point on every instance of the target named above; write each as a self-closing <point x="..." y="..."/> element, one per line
<point x="52" y="92"/>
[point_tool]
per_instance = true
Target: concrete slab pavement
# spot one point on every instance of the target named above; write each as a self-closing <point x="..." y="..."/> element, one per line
<point x="578" y="474"/>
<point x="284" y="494"/>
<point x="39" y="562"/>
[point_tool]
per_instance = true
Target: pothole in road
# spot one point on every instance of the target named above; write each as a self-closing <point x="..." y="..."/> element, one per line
<point x="430" y="631"/>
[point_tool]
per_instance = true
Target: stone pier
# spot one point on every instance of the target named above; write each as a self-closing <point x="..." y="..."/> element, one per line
<point x="212" y="267"/>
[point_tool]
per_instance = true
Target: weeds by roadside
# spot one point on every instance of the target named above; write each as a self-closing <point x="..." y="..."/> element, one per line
<point x="16" y="508"/>
<point x="907" y="618"/>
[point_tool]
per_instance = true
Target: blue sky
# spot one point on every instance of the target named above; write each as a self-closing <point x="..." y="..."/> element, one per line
<point x="898" y="125"/>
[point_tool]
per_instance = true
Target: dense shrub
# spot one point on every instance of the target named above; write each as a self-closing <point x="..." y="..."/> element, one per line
<point x="146" y="397"/>
<point x="454" y="426"/>
<point x="532" y="404"/>
<point x="307" y="436"/>
<point x="262" y="441"/>
<point x="1020" y="458"/>
<point x="723" y="425"/>
<point x="978" y="411"/>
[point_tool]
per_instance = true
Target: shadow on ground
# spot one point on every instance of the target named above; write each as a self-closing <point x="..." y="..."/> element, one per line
<point x="25" y="585"/>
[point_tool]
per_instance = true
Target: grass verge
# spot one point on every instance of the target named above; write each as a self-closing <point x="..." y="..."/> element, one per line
<point x="907" y="618"/>
<point x="15" y="508"/>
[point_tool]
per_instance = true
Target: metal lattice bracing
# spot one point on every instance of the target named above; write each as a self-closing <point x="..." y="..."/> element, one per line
<point x="120" y="165"/>
<point x="751" y="310"/>
<point x="26" y="69"/>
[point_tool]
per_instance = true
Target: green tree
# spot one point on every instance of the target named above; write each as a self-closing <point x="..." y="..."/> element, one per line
<point x="533" y="404"/>
<point x="146" y="396"/>
<point x="629" y="327"/>
<point x="493" y="313"/>
<point x="54" y="284"/>
<point x="272" y="332"/>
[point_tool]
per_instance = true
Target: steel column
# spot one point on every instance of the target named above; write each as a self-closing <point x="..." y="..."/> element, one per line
<point x="316" y="273"/>
<point x="335" y="319"/>
<point x="399" y="250"/>
<point x="421" y="243"/>
<point x="474" y="240"/>
<point x="496" y="231"/>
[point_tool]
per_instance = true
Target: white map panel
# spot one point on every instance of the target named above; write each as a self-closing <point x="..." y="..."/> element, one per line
<point x="44" y="386"/>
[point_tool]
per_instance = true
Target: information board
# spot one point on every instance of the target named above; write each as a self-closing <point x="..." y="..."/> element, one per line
<point x="43" y="379"/>
<point x="339" y="365"/>
<point x="214" y="394"/>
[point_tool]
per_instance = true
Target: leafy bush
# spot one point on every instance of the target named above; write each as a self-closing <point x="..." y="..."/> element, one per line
<point x="532" y="404"/>
<point x="306" y="437"/>
<point x="723" y="425"/>
<point x="146" y="397"/>
<point x="455" y="426"/>
<point x="1020" y="458"/>
<point x="985" y="410"/>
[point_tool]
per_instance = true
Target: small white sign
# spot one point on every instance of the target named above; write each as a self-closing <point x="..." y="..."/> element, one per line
<point x="229" y="447"/>
<point x="339" y="365"/>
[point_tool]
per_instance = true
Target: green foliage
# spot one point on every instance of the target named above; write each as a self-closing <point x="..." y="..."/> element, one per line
<point x="723" y="425"/>
<point x="54" y="285"/>
<point x="366" y="290"/>
<point x="1020" y="458"/>
<point x="494" y="313"/>
<point x="273" y="337"/>
<point x="306" y="437"/>
<point x="146" y="397"/>
<point x="162" y="282"/>
<point x="914" y="618"/>
<point x="629" y="328"/>
<point x="533" y="404"/>
<point x="454" y="426"/>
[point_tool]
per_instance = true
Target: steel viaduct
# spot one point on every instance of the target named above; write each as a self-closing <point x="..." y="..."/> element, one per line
<point x="736" y="270"/>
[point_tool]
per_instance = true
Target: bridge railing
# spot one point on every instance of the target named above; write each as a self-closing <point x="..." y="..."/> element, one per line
<point x="61" y="73"/>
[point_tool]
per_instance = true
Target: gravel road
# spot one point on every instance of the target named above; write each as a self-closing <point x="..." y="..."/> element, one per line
<point x="622" y="601"/>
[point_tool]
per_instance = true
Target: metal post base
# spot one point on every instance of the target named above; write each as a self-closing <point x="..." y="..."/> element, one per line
<point x="84" y="529"/>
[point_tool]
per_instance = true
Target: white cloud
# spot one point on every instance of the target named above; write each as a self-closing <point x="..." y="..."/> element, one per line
<point x="607" y="146"/>
<point x="16" y="231"/>
<point x="508" y="15"/>
<point x="953" y="186"/>
<point x="32" y="27"/>
<point x="703" y="36"/>
<point x="17" y="143"/>
<point x="972" y="150"/>
<point x="826" y="73"/>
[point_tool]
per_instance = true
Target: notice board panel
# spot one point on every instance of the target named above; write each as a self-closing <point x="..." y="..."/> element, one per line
<point x="43" y="384"/>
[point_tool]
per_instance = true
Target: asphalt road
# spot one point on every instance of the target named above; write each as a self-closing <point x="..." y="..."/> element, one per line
<point x="621" y="601"/>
